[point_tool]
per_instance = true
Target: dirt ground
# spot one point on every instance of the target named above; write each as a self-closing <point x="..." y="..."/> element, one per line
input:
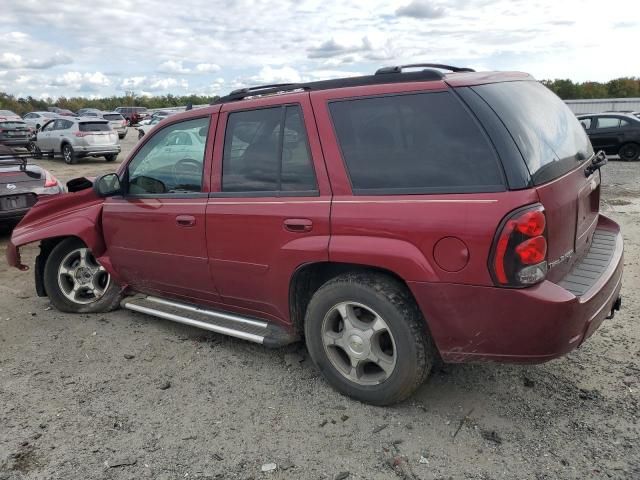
<point x="125" y="396"/>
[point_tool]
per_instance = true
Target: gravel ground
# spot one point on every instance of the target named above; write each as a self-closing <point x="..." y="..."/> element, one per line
<point x="127" y="396"/>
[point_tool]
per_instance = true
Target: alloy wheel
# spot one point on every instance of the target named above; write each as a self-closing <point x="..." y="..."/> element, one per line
<point x="359" y="343"/>
<point x="81" y="278"/>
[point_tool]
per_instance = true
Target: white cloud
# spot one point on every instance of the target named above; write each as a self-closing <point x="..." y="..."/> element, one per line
<point x="172" y="66"/>
<point x="421" y="9"/>
<point x="16" y="61"/>
<point x="207" y="67"/>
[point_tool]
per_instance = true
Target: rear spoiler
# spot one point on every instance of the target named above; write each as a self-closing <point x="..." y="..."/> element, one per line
<point x="20" y="159"/>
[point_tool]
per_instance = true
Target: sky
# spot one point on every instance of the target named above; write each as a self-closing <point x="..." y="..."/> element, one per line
<point x="95" y="48"/>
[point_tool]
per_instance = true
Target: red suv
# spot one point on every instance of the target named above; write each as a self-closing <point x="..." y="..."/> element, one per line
<point x="389" y="220"/>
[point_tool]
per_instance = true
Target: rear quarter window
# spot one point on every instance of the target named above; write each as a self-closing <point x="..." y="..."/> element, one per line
<point x="414" y="143"/>
<point x="547" y="133"/>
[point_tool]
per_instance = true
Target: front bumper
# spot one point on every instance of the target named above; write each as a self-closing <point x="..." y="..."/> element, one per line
<point x="530" y="325"/>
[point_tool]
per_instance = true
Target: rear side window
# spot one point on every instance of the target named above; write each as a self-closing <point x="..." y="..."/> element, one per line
<point x="113" y="117"/>
<point x="547" y="133"/>
<point x="608" y="122"/>
<point x="266" y="150"/>
<point x="94" y="127"/>
<point x="419" y="143"/>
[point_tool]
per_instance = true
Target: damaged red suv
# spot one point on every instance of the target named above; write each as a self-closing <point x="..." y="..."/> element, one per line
<point x="389" y="220"/>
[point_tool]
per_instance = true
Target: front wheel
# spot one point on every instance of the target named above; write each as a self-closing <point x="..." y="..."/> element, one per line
<point x="367" y="336"/>
<point x="629" y="152"/>
<point x="111" y="157"/>
<point x="68" y="154"/>
<point x="75" y="282"/>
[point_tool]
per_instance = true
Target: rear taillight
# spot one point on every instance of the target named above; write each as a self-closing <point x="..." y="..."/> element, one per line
<point x="519" y="255"/>
<point x="50" y="180"/>
<point x="82" y="134"/>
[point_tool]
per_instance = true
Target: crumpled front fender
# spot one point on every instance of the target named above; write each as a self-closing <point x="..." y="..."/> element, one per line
<point x="73" y="214"/>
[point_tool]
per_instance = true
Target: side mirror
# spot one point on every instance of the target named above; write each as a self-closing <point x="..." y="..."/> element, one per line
<point x="107" y="185"/>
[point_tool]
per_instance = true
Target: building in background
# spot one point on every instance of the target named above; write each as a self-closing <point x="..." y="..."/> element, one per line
<point x="599" y="105"/>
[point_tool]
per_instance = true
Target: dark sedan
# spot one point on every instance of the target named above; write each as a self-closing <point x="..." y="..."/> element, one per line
<point x="14" y="133"/>
<point x="616" y="134"/>
<point x="21" y="184"/>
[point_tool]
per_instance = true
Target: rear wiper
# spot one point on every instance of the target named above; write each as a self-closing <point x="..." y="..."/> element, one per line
<point x="598" y="160"/>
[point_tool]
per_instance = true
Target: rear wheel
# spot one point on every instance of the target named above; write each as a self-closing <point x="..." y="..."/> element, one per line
<point x="68" y="154"/>
<point x="140" y="134"/>
<point x="34" y="150"/>
<point x="75" y="282"/>
<point x="629" y="152"/>
<point x="368" y="338"/>
<point x="111" y="157"/>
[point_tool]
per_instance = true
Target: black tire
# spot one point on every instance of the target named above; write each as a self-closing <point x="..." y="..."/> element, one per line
<point x="415" y="353"/>
<point x="111" y="157"/>
<point x="140" y="134"/>
<point x="68" y="154"/>
<point x="629" y="152"/>
<point x="110" y="300"/>
<point x="34" y="150"/>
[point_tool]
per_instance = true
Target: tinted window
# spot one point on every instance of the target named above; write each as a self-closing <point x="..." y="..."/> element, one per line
<point x="94" y="127"/>
<point x="414" y="144"/>
<point x="171" y="161"/>
<point x="608" y="122"/>
<point x="547" y="133"/>
<point x="586" y="123"/>
<point x="267" y="150"/>
<point x="113" y="117"/>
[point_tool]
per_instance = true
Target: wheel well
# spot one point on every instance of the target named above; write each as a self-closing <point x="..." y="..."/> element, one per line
<point x="307" y="279"/>
<point x="46" y="247"/>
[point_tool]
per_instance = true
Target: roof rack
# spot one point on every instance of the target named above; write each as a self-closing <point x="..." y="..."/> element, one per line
<point x="396" y="76"/>
<point x="399" y="68"/>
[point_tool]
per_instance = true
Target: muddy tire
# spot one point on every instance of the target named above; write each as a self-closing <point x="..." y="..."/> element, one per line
<point x="75" y="282"/>
<point x="110" y="158"/>
<point x="367" y="336"/>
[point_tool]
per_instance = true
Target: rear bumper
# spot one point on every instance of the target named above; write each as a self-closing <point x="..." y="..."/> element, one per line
<point x="15" y="142"/>
<point x="97" y="150"/>
<point x="531" y="325"/>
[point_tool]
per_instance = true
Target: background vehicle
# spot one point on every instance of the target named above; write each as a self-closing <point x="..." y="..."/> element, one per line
<point x="14" y="133"/>
<point x="8" y="115"/>
<point x="147" y="124"/>
<point x="35" y="120"/>
<point x="76" y="138"/>
<point x="388" y="220"/>
<point x="132" y="114"/>
<point x="93" y="112"/>
<point x="62" y="111"/>
<point x="117" y="122"/>
<point x="21" y="184"/>
<point x="615" y="133"/>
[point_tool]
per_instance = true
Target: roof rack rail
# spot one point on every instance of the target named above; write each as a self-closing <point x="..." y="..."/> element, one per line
<point x="395" y="76"/>
<point x="399" y="68"/>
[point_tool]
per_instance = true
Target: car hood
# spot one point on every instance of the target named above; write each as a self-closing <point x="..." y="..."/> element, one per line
<point x="52" y="208"/>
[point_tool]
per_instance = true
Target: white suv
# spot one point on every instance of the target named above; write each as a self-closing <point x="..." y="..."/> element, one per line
<point x="76" y="138"/>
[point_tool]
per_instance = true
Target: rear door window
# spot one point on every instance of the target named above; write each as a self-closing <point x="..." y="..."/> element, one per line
<point x="546" y="131"/>
<point x="266" y="150"/>
<point x="416" y="143"/>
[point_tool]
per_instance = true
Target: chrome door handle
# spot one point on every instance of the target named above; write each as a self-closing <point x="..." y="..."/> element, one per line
<point x="185" y="220"/>
<point x="298" y="225"/>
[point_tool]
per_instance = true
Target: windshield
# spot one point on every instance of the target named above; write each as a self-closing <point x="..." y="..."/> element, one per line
<point x="547" y="133"/>
<point x="113" y="116"/>
<point x="94" y="127"/>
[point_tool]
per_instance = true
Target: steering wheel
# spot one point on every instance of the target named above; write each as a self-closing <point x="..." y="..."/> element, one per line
<point x="184" y="170"/>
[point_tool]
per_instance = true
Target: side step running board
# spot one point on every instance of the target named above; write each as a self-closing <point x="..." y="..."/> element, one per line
<point x="250" y="329"/>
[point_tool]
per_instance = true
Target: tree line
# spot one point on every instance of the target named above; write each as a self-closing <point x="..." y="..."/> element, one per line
<point x="24" y="105"/>
<point x="626" y="87"/>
